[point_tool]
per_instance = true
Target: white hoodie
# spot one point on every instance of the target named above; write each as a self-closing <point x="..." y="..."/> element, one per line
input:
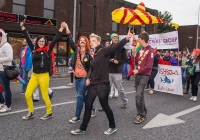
<point x="6" y="51"/>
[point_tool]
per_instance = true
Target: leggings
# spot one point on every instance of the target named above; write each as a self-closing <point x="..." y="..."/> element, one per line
<point x="43" y="81"/>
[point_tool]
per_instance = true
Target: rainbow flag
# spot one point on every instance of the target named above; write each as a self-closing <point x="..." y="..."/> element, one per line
<point x="71" y="53"/>
<point x="19" y="80"/>
<point x="138" y="47"/>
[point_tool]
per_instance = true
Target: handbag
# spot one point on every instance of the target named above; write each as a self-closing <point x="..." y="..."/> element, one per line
<point x="11" y="72"/>
<point x="191" y="70"/>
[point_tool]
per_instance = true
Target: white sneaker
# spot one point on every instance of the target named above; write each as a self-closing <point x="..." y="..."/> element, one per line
<point x="192" y="98"/>
<point x="5" y="109"/>
<point x="116" y="93"/>
<point x="195" y="98"/>
<point x="1" y="106"/>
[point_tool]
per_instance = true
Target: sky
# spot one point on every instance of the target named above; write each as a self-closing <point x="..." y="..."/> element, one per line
<point x="184" y="12"/>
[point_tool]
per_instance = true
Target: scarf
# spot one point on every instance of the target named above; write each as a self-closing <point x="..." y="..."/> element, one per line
<point x="45" y="48"/>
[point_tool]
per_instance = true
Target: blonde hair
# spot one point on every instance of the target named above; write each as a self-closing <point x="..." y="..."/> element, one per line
<point x="94" y="35"/>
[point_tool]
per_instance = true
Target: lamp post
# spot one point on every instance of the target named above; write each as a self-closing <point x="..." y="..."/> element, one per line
<point x="198" y="29"/>
<point x="74" y="22"/>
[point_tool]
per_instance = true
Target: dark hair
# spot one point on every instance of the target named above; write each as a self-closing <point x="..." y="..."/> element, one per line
<point x="144" y="36"/>
<point x="38" y="38"/>
<point x="0" y="33"/>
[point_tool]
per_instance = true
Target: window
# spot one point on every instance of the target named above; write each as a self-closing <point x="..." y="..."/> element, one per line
<point x="62" y="53"/>
<point x="79" y="14"/>
<point x="49" y="8"/>
<point x="19" y="6"/>
<point x="143" y="28"/>
<point x="115" y="26"/>
<point x="94" y="17"/>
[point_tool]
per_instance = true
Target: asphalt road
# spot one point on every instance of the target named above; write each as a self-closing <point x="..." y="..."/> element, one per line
<point x="12" y="127"/>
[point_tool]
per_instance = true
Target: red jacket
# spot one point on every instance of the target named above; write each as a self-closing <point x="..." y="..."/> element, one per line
<point x="144" y="61"/>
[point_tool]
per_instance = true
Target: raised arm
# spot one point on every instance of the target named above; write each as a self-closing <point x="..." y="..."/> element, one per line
<point x="73" y="45"/>
<point x="55" y="39"/>
<point x="27" y="36"/>
<point x="114" y="48"/>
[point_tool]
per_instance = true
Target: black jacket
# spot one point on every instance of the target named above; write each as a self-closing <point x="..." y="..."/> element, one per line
<point x="155" y="62"/>
<point x="41" y="60"/>
<point x="120" y="56"/>
<point x="86" y="59"/>
<point x="100" y="63"/>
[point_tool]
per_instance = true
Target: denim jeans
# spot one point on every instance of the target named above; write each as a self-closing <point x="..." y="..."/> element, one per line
<point x="24" y="76"/>
<point x="6" y="87"/>
<point x="140" y="84"/>
<point x="183" y="72"/>
<point x="81" y="88"/>
<point x="195" y="83"/>
<point x="102" y="91"/>
<point x="151" y="79"/>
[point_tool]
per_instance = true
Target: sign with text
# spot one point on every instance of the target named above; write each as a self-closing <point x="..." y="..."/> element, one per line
<point x="7" y="17"/>
<point x="169" y="79"/>
<point x="161" y="41"/>
<point x="39" y="21"/>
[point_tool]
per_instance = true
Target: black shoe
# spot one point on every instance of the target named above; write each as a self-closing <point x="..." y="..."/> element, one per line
<point x="36" y="100"/>
<point x="30" y="115"/>
<point x="46" y="117"/>
<point x="128" y="78"/>
<point x="74" y="120"/>
<point x="51" y="95"/>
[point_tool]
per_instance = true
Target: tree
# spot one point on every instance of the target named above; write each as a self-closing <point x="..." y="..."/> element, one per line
<point x="162" y="27"/>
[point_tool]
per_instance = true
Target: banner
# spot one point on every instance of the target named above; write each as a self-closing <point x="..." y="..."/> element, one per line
<point x="169" y="79"/>
<point x="161" y="41"/>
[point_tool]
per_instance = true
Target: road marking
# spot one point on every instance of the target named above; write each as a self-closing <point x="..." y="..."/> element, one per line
<point x="133" y="91"/>
<point x="165" y="120"/>
<point x="19" y="111"/>
<point x="61" y="87"/>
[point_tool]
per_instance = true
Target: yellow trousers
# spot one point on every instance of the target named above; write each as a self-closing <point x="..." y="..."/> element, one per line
<point x="43" y="81"/>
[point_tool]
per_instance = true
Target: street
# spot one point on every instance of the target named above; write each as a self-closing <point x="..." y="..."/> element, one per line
<point x="184" y="125"/>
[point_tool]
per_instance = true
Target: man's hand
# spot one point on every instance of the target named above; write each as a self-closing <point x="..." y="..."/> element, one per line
<point x="129" y="35"/>
<point x="87" y="82"/>
<point x="116" y="62"/>
<point x="135" y="71"/>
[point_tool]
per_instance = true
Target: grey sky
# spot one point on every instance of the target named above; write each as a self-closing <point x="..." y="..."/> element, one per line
<point x="184" y="12"/>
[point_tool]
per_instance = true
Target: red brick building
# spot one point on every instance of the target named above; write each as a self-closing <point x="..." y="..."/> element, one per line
<point x="92" y="16"/>
<point x="188" y="37"/>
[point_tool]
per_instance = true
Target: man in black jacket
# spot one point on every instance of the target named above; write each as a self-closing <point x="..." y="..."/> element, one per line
<point x="117" y="59"/>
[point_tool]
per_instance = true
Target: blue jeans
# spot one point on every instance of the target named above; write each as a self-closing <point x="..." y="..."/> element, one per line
<point x="125" y="70"/>
<point x="6" y="87"/>
<point x="183" y="72"/>
<point x="24" y="76"/>
<point x="81" y="89"/>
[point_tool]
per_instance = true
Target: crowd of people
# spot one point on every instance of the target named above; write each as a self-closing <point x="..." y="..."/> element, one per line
<point x="98" y="70"/>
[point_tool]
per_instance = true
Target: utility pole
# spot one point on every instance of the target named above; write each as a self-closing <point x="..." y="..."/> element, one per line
<point x="74" y="22"/>
<point x="198" y="29"/>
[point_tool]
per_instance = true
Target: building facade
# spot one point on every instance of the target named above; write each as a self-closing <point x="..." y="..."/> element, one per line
<point x="45" y="16"/>
<point x="188" y="37"/>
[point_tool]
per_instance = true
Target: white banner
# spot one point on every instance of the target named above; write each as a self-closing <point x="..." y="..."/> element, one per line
<point x="161" y="41"/>
<point x="169" y="79"/>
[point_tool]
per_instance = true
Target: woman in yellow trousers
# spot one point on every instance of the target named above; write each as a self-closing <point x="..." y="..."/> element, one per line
<point x="41" y="70"/>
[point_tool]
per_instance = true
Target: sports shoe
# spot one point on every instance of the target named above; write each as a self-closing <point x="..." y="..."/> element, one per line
<point x="123" y="105"/>
<point x="94" y="110"/>
<point x="138" y="119"/>
<point x="77" y="132"/>
<point x="21" y="92"/>
<point x="1" y="106"/>
<point x="30" y="115"/>
<point x="46" y="117"/>
<point x="110" y="131"/>
<point x="192" y="98"/>
<point x="116" y="93"/>
<point x="151" y="91"/>
<point x="101" y="109"/>
<point x="5" y="109"/>
<point x="51" y="95"/>
<point x="195" y="98"/>
<point x="74" y="120"/>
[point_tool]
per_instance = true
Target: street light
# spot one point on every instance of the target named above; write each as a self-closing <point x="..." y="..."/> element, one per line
<point x="74" y="22"/>
<point x="198" y="28"/>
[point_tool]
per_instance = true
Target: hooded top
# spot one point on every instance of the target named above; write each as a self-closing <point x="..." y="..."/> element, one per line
<point x="6" y="51"/>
